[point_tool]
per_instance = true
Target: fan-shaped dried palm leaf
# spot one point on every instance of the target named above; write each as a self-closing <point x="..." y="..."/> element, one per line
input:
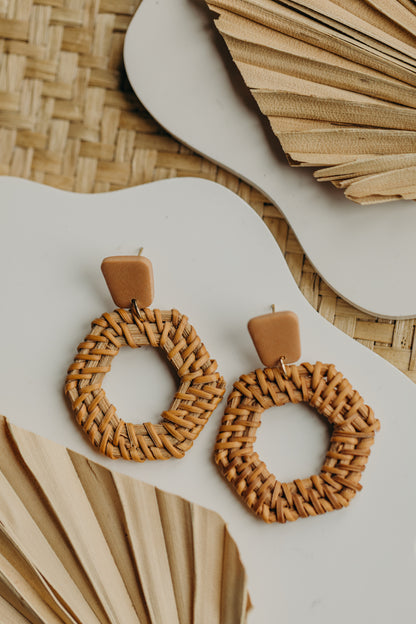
<point x="80" y="544"/>
<point x="337" y="81"/>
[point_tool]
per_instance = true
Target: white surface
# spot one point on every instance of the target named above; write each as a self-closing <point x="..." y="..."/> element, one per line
<point x="209" y="250"/>
<point x="176" y="63"/>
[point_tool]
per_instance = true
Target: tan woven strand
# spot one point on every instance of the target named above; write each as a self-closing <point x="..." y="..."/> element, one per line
<point x="353" y="429"/>
<point x="200" y="390"/>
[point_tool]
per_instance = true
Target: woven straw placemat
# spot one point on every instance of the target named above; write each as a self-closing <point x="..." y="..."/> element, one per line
<point x="69" y="118"/>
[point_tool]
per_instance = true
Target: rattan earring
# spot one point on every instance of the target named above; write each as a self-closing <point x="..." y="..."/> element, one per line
<point x="276" y="338"/>
<point x="133" y="324"/>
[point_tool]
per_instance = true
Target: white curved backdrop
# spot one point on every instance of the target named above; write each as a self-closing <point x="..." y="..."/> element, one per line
<point x="178" y="69"/>
<point x="209" y="251"/>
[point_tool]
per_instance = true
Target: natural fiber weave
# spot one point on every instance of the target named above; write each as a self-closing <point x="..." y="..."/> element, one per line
<point x="69" y="118"/>
<point x="327" y="77"/>
<point x="200" y="389"/>
<point x="353" y="429"/>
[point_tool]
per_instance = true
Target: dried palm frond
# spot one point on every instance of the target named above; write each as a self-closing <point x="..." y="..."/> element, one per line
<point x="81" y="544"/>
<point x="337" y="81"/>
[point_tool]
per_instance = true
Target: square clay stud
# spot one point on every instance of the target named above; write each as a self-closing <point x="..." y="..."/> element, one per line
<point x="276" y="335"/>
<point x="129" y="277"/>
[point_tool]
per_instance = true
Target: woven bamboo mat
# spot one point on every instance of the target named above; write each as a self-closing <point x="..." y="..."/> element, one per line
<point x="69" y="118"/>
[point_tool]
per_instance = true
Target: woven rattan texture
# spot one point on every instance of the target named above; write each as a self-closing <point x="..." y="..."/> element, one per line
<point x="69" y="118"/>
<point x="353" y="428"/>
<point x="200" y="385"/>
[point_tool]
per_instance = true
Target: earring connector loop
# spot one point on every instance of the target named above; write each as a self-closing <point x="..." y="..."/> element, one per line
<point x="283" y="367"/>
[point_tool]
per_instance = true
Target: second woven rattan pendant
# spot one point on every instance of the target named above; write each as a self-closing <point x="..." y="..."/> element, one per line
<point x="201" y="387"/>
<point x="276" y="337"/>
<point x="337" y="81"/>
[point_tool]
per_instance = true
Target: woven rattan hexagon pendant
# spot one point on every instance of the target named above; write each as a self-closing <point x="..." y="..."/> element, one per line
<point x="201" y="387"/>
<point x="331" y="395"/>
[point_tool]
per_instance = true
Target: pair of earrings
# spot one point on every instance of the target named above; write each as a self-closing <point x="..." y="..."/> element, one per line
<point x="201" y="388"/>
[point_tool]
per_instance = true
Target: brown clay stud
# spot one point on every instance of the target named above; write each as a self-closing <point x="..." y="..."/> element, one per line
<point x="275" y="336"/>
<point x="129" y="277"/>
